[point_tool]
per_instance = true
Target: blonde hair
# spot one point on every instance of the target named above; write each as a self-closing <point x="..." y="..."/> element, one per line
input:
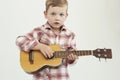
<point x="54" y="3"/>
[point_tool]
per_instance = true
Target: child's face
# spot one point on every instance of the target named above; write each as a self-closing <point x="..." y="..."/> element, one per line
<point x="56" y="16"/>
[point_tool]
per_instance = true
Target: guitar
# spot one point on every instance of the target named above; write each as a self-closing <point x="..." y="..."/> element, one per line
<point x="34" y="60"/>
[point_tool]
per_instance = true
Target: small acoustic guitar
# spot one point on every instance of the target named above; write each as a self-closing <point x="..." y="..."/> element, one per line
<point x="34" y="60"/>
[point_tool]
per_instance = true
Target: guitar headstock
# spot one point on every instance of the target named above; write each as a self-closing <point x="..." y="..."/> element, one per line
<point x="103" y="53"/>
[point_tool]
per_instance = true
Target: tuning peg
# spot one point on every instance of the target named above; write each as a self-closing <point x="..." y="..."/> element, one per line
<point x="106" y="59"/>
<point x="98" y="50"/>
<point x="105" y="50"/>
<point x="99" y="59"/>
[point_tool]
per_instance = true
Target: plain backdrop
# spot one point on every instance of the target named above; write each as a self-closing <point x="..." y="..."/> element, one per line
<point x="96" y="24"/>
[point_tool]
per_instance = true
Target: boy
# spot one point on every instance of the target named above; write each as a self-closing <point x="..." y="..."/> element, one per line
<point x="52" y="32"/>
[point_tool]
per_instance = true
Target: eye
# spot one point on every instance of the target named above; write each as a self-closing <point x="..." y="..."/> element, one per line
<point x="61" y="14"/>
<point x="53" y="14"/>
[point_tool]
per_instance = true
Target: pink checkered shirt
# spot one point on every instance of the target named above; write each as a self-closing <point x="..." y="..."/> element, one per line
<point x="45" y="35"/>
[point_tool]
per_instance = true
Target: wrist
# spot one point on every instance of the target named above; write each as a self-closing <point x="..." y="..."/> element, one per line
<point x="38" y="46"/>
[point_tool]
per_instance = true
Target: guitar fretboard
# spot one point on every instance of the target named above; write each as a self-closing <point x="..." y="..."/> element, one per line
<point x="64" y="54"/>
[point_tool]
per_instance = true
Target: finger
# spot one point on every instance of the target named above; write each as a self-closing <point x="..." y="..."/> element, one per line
<point x="70" y="57"/>
<point x="73" y="57"/>
<point x="49" y="53"/>
<point x="44" y="53"/>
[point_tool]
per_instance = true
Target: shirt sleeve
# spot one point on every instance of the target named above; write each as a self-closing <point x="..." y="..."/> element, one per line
<point x="30" y="40"/>
<point x="73" y="43"/>
<point x="72" y="47"/>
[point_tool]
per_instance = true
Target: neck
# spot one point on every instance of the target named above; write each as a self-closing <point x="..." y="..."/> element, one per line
<point x="64" y="54"/>
<point x="56" y="31"/>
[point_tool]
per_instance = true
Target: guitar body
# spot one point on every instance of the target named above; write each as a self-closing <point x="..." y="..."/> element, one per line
<point x="39" y="61"/>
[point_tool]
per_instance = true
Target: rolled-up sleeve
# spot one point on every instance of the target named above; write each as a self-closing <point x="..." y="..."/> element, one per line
<point x="30" y="40"/>
<point x="72" y="48"/>
<point x="73" y="43"/>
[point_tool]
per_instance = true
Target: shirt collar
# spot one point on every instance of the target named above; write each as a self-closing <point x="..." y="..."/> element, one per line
<point x="48" y="27"/>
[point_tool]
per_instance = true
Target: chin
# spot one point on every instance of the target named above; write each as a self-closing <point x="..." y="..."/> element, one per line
<point x="56" y="26"/>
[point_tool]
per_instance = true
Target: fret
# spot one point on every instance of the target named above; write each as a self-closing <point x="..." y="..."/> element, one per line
<point x="80" y="53"/>
<point x="64" y="54"/>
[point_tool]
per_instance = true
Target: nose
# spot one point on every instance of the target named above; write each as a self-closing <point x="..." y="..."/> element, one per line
<point x="57" y="17"/>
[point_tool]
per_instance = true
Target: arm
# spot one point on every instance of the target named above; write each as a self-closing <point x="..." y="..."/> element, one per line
<point x="30" y="40"/>
<point x="72" y="57"/>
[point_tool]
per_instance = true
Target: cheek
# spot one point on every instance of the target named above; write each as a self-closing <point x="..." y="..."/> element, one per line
<point x="48" y="16"/>
<point x="63" y="19"/>
<point x="50" y="19"/>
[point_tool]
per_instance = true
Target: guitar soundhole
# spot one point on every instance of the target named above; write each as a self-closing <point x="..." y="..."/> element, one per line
<point x="31" y="58"/>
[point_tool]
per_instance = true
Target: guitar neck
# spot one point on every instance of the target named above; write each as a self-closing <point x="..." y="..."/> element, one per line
<point x="64" y="54"/>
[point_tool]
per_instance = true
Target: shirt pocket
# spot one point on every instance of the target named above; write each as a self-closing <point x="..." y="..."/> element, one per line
<point x="45" y="39"/>
<point x="64" y="43"/>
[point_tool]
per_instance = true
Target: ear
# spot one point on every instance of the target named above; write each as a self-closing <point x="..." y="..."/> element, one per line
<point x="45" y="14"/>
<point x="67" y="14"/>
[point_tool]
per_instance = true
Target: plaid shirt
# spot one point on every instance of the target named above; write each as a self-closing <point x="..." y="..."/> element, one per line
<point x="44" y="34"/>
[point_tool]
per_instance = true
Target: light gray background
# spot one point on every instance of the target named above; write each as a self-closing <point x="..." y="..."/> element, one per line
<point x="96" y="24"/>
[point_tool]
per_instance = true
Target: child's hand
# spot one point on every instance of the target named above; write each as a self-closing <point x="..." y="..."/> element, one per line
<point x="72" y="57"/>
<point x="46" y="50"/>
